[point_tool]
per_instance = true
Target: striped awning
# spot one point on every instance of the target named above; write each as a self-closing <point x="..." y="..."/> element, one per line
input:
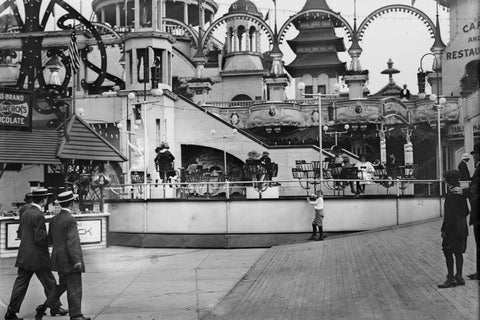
<point x="36" y="147"/>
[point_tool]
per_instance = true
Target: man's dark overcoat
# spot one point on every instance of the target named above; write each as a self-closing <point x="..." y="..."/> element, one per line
<point x="67" y="250"/>
<point x="33" y="251"/>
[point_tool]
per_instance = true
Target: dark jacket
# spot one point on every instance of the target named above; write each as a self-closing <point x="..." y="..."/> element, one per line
<point x="455" y="219"/>
<point x="474" y="195"/>
<point x="33" y="252"/>
<point x="67" y="250"/>
<point x="164" y="160"/>
<point x="463" y="170"/>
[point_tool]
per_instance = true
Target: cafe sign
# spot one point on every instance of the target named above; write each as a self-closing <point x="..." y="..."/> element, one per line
<point x="15" y="109"/>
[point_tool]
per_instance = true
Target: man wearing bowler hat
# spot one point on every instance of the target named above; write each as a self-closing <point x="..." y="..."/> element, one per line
<point x="33" y="257"/>
<point x="67" y="259"/>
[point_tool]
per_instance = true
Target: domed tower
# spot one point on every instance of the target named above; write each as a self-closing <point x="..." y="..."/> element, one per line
<point x="243" y="67"/>
<point x="316" y="46"/>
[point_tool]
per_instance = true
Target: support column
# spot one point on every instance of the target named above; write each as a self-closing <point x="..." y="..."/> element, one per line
<point x="185" y="13"/>
<point x="136" y="10"/>
<point x="102" y="15"/>
<point x="247" y="41"/>
<point x="229" y="41"/>
<point x="257" y="41"/>
<point x="235" y="41"/>
<point x="117" y="15"/>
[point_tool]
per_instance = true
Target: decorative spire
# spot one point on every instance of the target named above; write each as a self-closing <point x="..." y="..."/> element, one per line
<point x="355" y="50"/>
<point x="438" y="45"/>
<point x="199" y="58"/>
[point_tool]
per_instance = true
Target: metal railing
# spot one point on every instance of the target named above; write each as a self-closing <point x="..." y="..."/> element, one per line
<point x="332" y="188"/>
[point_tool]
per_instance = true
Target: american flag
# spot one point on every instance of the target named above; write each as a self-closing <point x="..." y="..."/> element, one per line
<point x="74" y="53"/>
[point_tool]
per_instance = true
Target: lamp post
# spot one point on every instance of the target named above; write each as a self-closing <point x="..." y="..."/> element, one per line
<point x="336" y="133"/>
<point x="440" y="102"/>
<point x="301" y="88"/>
<point x="224" y="137"/>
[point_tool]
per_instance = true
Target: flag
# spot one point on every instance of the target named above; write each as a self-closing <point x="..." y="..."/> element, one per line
<point x="74" y="53"/>
<point x="267" y="16"/>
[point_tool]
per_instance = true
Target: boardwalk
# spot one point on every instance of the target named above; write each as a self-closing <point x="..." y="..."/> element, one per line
<point x="391" y="274"/>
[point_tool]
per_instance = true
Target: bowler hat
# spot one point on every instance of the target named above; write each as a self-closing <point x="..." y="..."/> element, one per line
<point x="266" y="153"/>
<point x="40" y="192"/>
<point x="66" y="196"/>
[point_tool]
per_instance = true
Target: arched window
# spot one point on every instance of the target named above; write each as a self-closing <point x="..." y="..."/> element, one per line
<point x="241" y="97"/>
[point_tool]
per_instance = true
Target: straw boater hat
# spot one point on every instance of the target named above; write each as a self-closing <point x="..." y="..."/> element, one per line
<point x="465" y="156"/>
<point x="66" y="196"/>
<point x="40" y="192"/>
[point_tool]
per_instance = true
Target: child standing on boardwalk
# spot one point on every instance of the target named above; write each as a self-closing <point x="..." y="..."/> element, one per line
<point x="317" y="202"/>
<point x="454" y="230"/>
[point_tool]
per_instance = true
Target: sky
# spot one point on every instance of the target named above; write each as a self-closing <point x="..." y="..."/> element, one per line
<point x="397" y="36"/>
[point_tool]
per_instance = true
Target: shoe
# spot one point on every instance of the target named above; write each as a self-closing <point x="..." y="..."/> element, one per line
<point x="460" y="281"/>
<point x="12" y="316"/>
<point x="320" y="238"/>
<point x="40" y="312"/>
<point x="312" y="237"/>
<point x="58" y="312"/>
<point x="448" y="284"/>
<point x="80" y="317"/>
<point x="473" y="276"/>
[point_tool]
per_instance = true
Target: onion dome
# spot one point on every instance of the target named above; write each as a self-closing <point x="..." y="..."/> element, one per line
<point x="244" y="6"/>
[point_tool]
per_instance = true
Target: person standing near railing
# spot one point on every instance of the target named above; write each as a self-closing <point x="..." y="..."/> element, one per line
<point x="454" y="231"/>
<point x="164" y="162"/>
<point x="365" y="173"/>
<point x="463" y="168"/>
<point x="316" y="200"/>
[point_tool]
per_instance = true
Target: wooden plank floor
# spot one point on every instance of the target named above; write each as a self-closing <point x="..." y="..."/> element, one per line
<point x="390" y="274"/>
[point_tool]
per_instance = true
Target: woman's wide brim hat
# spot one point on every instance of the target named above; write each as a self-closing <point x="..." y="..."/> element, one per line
<point x="66" y="196"/>
<point x="40" y="192"/>
<point x="253" y="154"/>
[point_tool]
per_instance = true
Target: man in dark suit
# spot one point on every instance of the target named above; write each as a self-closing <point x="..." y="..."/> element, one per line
<point x="463" y="168"/>
<point x="67" y="259"/>
<point x="473" y="193"/>
<point x="33" y="257"/>
<point x="405" y="93"/>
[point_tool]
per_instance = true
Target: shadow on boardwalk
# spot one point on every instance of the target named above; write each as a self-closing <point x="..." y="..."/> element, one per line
<point x="388" y="274"/>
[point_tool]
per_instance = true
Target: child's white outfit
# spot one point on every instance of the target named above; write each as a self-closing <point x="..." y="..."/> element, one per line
<point x="318" y="220"/>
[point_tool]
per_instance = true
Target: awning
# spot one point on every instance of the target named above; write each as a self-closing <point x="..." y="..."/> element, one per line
<point x="84" y="143"/>
<point x="36" y="147"/>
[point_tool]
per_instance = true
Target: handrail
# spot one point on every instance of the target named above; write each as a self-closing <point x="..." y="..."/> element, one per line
<point x="284" y="188"/>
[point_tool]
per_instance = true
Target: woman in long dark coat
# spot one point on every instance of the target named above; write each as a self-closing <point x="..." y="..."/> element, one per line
<point x="454" y="230"/>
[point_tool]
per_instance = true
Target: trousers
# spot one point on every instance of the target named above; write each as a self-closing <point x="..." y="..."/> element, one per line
<point x="72" y="283"/>
<point x="476" y="233"/>
<point x="21" y="283"/>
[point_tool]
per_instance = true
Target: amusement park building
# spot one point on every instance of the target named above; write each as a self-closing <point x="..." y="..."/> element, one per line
<point x="213" y="75"/>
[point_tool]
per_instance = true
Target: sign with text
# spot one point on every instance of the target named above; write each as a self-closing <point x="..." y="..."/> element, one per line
<point x="90" y="231"/>
<point x="15" y="109"/>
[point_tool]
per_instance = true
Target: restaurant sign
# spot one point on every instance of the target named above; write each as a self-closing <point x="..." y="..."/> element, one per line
<point x="457" y="129"/>
<point x="15" y="109"/>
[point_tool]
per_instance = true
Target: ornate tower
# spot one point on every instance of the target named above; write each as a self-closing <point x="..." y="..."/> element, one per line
<point x="316" y="46"/>
<point x="243" y="68"/>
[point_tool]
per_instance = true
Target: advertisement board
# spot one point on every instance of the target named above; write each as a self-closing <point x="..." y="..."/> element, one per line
<point x="90" y="231"/>
<point x="15" y="109"/>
